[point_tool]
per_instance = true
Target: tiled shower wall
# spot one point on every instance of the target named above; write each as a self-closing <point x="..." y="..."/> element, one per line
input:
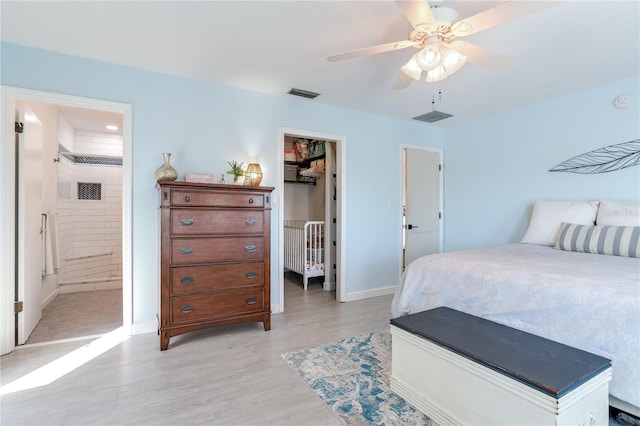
<point x="90" y="231"/>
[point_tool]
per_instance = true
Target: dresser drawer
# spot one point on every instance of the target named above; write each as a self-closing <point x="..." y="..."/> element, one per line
<point x="196" y="198"/>
<point x="186" y="279"/>
<point x="185" y="251"/>
<point x="192" y="222"/>
<point x="213" y="305"/>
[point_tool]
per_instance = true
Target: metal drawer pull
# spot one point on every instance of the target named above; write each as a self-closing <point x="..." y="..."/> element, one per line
<point x="186" y="250"/>
<point x="187" y="198"/>
<point x="250" y="275"/>
<point x="187" y="222"/>
<point x="250" y="200"/>
<point x="185" y="309"/>
<point x="250" y="222"/>
<point x="250" y="300"/>
<point x="186" y="280"/>
<point x="250" y="248"/>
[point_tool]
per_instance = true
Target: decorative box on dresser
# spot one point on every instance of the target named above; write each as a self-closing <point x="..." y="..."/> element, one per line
<point x="215" y="256"/>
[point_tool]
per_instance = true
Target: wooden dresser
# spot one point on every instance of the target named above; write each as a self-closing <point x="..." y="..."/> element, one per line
<point x="215" y="256"/>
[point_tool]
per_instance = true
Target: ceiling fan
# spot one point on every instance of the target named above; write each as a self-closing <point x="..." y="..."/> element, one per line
<point x="436" y="32"/>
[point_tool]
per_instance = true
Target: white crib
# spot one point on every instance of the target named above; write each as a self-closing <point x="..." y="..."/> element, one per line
<point x="304" y="248"/>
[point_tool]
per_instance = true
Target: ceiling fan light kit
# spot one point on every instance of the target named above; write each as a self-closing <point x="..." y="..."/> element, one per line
<point x="435" y="31"/>
<point x="412" y="69"/>
<point x="428" y="58"/>
<point x="452" y="60"/>
<point x="438" y="61"/>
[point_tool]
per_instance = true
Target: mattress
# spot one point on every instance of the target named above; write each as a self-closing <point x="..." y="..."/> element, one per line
<point x="588" y="301"/>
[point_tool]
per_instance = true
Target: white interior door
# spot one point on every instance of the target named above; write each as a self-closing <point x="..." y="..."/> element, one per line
<point x="422" y="177"/>
<point x="30" y="255"/>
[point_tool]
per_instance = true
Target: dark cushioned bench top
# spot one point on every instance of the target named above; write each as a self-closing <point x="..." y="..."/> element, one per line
<point x="550" y="367"/>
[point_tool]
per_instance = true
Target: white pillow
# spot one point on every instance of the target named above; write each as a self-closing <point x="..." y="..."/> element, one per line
<point x="547" y="216"/>
<point x="619" y="213"/>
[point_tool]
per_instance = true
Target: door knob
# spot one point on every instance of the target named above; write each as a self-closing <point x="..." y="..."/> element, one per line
<point x="412" y="226"/>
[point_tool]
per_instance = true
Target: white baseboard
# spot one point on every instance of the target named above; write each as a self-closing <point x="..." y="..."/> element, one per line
<point x="367" y="294"/>
<point x="49" y="298"/>
<point x="329" y="286"/>
<point x="144" y="327"/>
<point x="351" y="297"/>
<point x="152" y="326"/>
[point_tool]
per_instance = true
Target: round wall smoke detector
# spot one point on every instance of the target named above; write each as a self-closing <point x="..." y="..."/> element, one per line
<point x="623" y="101"/>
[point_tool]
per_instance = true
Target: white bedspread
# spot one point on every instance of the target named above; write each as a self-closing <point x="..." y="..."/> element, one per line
<point x="588" y="301"/>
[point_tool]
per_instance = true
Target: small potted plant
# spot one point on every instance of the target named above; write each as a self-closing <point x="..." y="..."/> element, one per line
<point x="236" y="170"/>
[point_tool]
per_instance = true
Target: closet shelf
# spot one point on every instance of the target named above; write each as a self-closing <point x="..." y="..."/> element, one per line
<point x="305" y="162"/>
<point x="293" y="170"/>
<point x="301" y="181"/>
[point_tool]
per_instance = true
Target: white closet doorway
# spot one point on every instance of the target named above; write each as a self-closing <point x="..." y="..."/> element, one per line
<point x="311" y="211"/>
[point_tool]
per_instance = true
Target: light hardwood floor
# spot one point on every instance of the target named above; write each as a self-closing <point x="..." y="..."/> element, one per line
<point x="230" y="375"/>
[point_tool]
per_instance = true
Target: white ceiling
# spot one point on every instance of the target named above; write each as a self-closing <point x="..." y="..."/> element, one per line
<point x="89" y="119"/>
<point x="272" y="46"/>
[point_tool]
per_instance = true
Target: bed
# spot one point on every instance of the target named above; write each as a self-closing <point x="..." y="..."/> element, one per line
<point x="304" y="248"/>
<point x="585" y="300"/>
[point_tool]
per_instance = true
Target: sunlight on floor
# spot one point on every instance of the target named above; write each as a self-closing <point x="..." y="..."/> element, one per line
<point x="55" y="369"/>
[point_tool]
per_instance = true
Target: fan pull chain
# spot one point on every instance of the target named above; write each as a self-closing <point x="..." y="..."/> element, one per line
<point x="433" y="98"/>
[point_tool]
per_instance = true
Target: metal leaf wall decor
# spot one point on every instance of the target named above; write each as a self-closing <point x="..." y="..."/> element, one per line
<point x="602" y="160"/>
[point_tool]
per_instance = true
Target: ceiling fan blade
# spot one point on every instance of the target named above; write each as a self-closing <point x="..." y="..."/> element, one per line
<point x="508" y="11"/>
<point x="481" y="57"/>
<point x="381" y="48"/>
<point x="402" y="81"/>
<point x="417" y="11"/>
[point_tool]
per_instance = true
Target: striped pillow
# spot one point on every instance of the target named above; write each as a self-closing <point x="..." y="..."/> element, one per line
<point x="600" y="239"/>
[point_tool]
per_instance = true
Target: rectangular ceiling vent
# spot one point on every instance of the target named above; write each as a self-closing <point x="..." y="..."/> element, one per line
<point x="303" y="93"/>
<point x="433" y="116"/>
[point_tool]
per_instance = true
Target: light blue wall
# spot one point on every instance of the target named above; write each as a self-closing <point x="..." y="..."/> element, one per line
<point x="497" y="166"/>
<point x="204" y="124"/>
<point x="494" y="167"/>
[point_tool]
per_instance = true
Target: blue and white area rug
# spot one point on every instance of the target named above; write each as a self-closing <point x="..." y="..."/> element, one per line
<point x="352" y="377"/>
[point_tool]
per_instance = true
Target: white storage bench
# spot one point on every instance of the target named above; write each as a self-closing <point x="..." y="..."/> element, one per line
<point x="460" y="369"/>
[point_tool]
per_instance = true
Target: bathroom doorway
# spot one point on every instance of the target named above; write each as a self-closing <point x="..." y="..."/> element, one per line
<point x="85" y="212"/>
<point x="81" y="223"/>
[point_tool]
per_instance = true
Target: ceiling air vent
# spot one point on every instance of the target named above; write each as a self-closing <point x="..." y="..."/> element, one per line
<point x="432" y="117"/>
<point x="303" y="93"/>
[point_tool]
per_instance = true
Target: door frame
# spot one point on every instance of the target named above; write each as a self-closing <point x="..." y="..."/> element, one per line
<point x="341" y="150"/>
<point x="403" y="148"/>
<point x="9" y="97"/>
